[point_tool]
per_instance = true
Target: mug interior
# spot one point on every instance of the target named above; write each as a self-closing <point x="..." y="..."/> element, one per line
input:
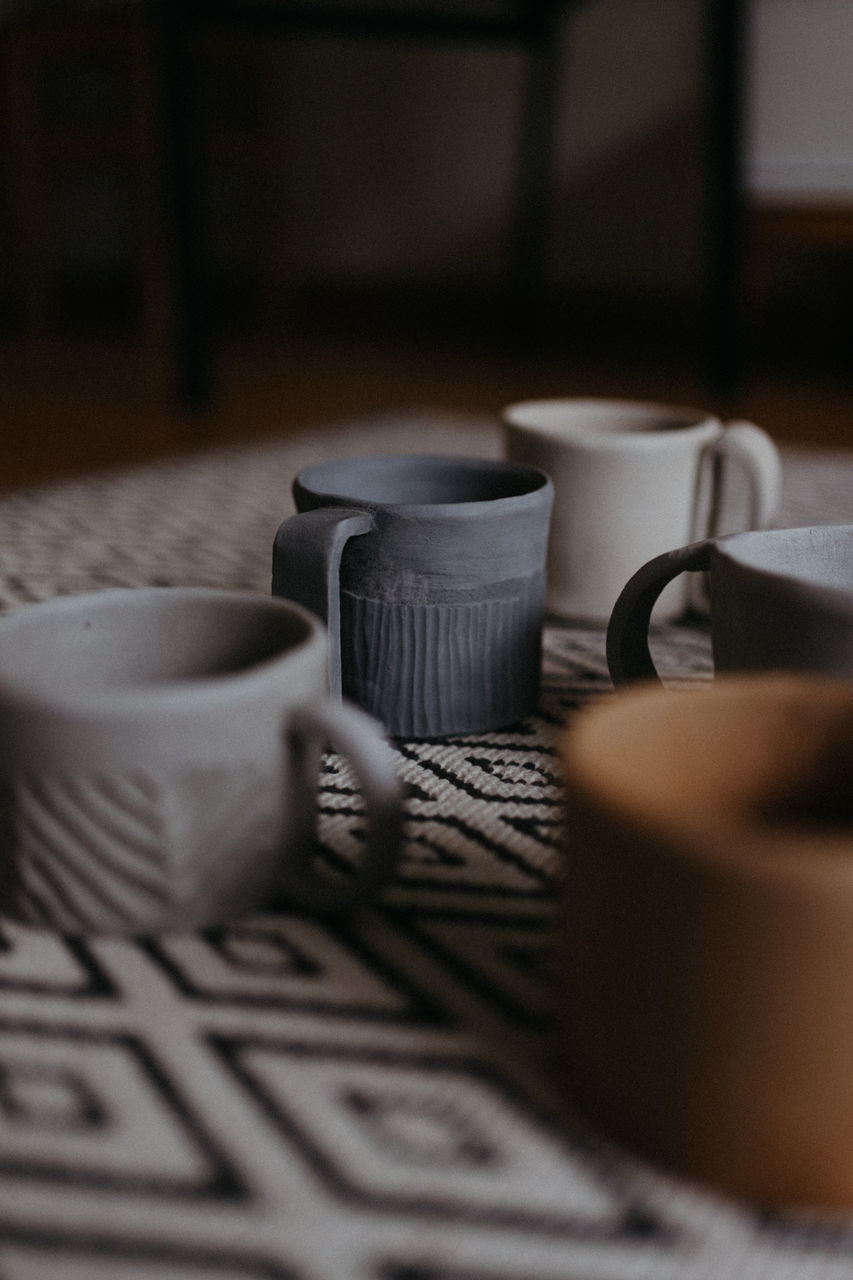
<point x="584" y="418"/>
<point x="132" y="640"/>
<point x="419" y="480"/>
<point x="821" y="554"/>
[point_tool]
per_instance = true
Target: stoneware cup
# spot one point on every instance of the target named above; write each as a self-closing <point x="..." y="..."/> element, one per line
<point x="705" y="980"/>
<point x="633" y="479"/>
<point x="159" y="759"/>
<point x="781" y="599"/>
<point x="430" y="573"/>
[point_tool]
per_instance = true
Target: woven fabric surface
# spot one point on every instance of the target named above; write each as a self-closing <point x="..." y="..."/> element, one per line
<point x="364" y="1100"/>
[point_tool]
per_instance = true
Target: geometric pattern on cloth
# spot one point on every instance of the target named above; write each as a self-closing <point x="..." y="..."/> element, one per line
<point x="295" y="1098"/>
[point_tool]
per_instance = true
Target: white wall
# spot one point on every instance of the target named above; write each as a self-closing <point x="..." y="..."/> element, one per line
<point x="800" y="130"/>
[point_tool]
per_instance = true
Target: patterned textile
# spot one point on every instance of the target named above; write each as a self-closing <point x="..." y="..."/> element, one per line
<point x="368" y="1100"/>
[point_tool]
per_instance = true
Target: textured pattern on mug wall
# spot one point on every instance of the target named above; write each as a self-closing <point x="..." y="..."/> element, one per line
<point x="130" y="850"/>
<point x="443" y="668"/>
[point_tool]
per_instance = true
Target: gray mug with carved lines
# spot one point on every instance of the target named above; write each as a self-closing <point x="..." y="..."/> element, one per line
<point x="160" y="752"/>
<point x="429" y="571"/>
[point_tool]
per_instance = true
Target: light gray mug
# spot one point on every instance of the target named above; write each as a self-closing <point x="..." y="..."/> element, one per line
<point x="781" y="599"/>
<point x="160" y="752"/>
<point x="430" y="574"/>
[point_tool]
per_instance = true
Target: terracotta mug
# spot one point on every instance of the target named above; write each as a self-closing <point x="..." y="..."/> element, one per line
<point x="633" y="479"/>
<point x="705" y="981"/>
<point x="430" y="574"/>
<point x="159" y="758"/>
<point x="781" y="599"/>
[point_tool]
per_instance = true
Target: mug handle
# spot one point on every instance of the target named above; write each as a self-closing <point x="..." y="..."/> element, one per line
<point x="306" y="567"/>
<point x="755" y="452"/>
<point x="628" y="656"/>
<point x="353" y="734"/>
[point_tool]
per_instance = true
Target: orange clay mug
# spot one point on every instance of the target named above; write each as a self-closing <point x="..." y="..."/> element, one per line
<point x="706" y="931"/>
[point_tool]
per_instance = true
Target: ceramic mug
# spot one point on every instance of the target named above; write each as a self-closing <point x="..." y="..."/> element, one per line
<point x="781" y="599"/>
<point x="159" y="758"/>
<point x="430" y="574"/>
<point x="632" y="479"/>
<point x="705" y="938"/>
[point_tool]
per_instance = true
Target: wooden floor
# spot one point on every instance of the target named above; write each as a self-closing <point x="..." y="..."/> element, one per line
<point x="84" y="403"/>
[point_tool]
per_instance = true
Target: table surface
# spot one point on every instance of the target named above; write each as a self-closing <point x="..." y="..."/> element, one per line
<point x="359" y="1101"/>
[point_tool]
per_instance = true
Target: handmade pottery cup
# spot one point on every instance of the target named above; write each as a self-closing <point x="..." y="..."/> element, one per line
<point x="632" y="479"/>
<point x="159" y="759"/>
<point x="430" y="574"/>
<point x="705" y="932"/>
<point x="781" y="599"/>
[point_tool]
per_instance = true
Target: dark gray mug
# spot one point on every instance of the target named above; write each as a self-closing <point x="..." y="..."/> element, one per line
<point x="781" y="599"/>
<point x="429" y="572"/>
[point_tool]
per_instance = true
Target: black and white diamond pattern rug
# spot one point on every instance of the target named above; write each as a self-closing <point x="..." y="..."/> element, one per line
<point x="288" y="1099"/>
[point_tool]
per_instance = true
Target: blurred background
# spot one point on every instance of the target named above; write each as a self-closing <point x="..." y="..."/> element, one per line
<point x="219" y="227"/>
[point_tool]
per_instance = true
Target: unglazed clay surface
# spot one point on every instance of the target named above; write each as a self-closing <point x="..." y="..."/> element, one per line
<point x="431" y="570"/>
<point x="781" y="600"/>
<point x="159" y="750"/>
<point x="114" y="849"/>
<point x="706" y="931"/>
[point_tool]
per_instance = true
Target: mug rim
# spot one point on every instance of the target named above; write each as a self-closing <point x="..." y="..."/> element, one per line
<point x="709" y="839"/>
<point x="797" y="583"/>
<point x="162" y="695"/>
<point x="338" y="497"/>
<point x="680" y="422"/>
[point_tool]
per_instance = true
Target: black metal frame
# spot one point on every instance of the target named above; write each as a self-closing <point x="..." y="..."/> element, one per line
<point x="532" y="27"/>
<point x="727" y="48"/>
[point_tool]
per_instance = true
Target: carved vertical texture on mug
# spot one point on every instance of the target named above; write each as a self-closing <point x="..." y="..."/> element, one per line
<point x="427" y="670"/>
<point x="122" y="852"/>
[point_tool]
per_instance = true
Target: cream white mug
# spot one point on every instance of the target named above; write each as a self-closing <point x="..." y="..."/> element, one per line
<point x="633" y="479"/>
